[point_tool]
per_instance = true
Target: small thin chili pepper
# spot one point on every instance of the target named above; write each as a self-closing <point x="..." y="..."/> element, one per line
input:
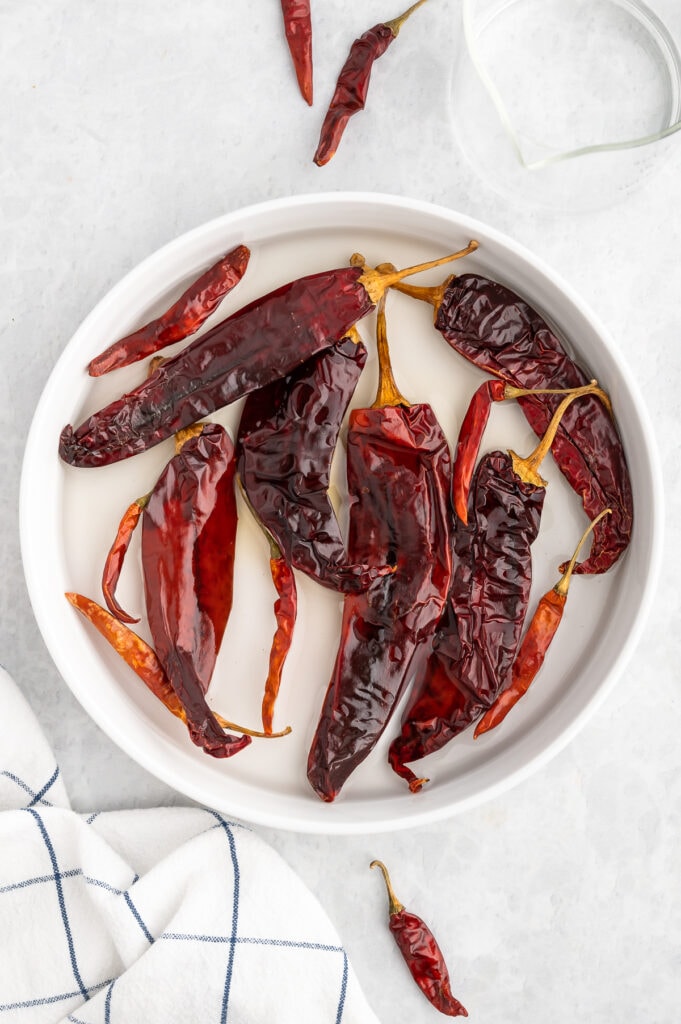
<point x="494" y="328"/>
<point x="287" y="437"/>
<point x="261" y="342"/>
<point x="421" y="953"/>
<point x="181" y="320"/>
<point x="399" y="478"/>
<point x="137" y="653"/>
<point x="285" y="612"/>
<point x="353" y="82"/>
<point x="298" y="29"/>
<point x="536" y="642"/>
<point x="475" y="642"/>
<point x="116" y="556"/>
<point x="188" y="540"/>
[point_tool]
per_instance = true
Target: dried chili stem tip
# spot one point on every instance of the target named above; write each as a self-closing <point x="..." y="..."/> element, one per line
<point x="527" y="469"/>
<point x="536" y="642"/>
<point x="376" y="280"/>
<point x="353" y="82"/>
<point x="421" y="953"/>
<point x="387" y="393"/>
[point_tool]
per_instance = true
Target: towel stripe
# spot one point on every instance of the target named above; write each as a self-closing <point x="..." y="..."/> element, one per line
<point x="38" y="798"/>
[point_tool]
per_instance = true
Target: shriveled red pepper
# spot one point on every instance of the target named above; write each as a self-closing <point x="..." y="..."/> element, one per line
<point x="116" y="556"/>
<point x="285" y="612"/>
<point x="421" y="953"/>
<point x="298" y="29"/>
<point x="494" y="328"/>
<point x="287" y="437"/>
<point x="353" y="82"/>
<point x="399" y="479"/>
<point x="182" y="319"/>
<point x="263" y="341"/>
<point x="477" y="638"/>
<point x="142" y="659"/>
<point x="536" y="642"/>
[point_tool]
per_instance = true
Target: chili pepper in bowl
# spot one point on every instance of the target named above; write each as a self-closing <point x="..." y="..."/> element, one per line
<point x="501" y="333"/>
<point x="261" y="342"/>
<point x="475" y="642"/>
<point x="353" y="82"/>
<point x="287" y="437"/>
<point x="399" y="479"/>
<point x="143" y="660"/>
<point x="535" y="644"/>
<point x="298" y="29"/>
<point x="421" y="953"/>
<point x="285" y="612"/>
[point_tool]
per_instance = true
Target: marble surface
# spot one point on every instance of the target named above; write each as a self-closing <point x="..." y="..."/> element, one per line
<point x="124" y="125"/>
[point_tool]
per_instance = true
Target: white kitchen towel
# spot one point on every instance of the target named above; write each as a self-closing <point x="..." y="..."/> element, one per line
<point x="160" y="915"/>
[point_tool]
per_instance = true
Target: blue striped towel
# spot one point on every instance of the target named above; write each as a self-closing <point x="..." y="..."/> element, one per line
<point x="160" y="915"/>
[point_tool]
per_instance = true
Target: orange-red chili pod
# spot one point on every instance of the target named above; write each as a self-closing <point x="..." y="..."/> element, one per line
<point x="421" y="953"/>
<point x="115" y="558"/>
<point x="285" y="610"/>
<point x="298" y="29"/>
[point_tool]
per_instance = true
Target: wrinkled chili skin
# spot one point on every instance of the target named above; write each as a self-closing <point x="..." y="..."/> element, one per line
<point x="263" y="341"/>
<point x="285" y="613"/>
<point x="285" y="446"/>
<point x="351" y="88"/>
<point x="399" y="481"/>
<point x="499" y="332"/>
<point x="188" y="540"/>
<point x="424" y="959"/>
<point x="181" y="320"/>
<point x="298" y="29"/>
<point x="475" y="642"/>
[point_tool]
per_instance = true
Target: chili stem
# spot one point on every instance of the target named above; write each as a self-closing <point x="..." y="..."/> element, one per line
<point x="388" y="393"/>
<point x="563" y="584"/>
<point x="527" y="469"/>
<point x="395" y="907"/>
<point x="396" y="23"/>
<point x="376" y="282"/>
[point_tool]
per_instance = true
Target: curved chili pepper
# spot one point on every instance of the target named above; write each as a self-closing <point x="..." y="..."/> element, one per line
<point x="298" y="29"/>
<point x="285" y="611"/>
<point x="183" y="319"/>
<point x="142" y="659"/>
<point x="285" y="445"/>
<point x="494" y="328"/>
<point x="353" y="82"/>
<point x="188" y="539"/>
<point x="421" y="953"/>
<point x="475" y="642"/>
<point x="536" y="642"/>
<point x="261" y="342"/>
<point x="399" y="477"/>
<point x="116" y="556"/>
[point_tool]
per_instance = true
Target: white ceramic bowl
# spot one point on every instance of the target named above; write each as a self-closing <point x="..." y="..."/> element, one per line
<point x="69" y="517"/>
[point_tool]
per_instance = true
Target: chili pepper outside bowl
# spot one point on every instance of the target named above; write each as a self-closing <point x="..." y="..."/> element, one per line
<point x="68" y="518"/>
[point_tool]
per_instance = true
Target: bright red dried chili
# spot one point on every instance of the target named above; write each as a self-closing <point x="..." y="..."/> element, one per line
<point x="298" y="29"/>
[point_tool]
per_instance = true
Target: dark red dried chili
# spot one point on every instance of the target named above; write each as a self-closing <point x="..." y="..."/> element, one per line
<point x="188" y="540"/>
<point x="476" y="641"/>
<point x="421" y="953"/>
<point x="399" y="478"/>
<point x="183" y="319"/>
<point x="353" y="82"/>
<point x="298" y="29"/>
<point x="501" y="333"/>
<point x="536" y="642"/>
<point x="287" y="437"/>
<point x="263" y="341"/>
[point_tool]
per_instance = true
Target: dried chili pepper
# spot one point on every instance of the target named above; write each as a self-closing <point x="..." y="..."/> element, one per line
<point x="188" y="540"/>
<point x="183" y="319"/>
<point x="353" y="82"/>
<point x="477" y="638"/>
<point x="285" y="445"/>
<point x="421" y="953"/>
<point x="116" y="556"/>
<point x="501" y="333"/>
<point x="261" y="342"/>
<point x="137" y="653"/>
<point x="535" y="644"/>
<point x="285" y="611"/>
<point x="399" y="478"/>
<point x="298" y="29"/>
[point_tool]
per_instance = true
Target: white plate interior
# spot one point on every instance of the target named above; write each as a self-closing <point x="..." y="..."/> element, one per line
<point x="69" y="517"/>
